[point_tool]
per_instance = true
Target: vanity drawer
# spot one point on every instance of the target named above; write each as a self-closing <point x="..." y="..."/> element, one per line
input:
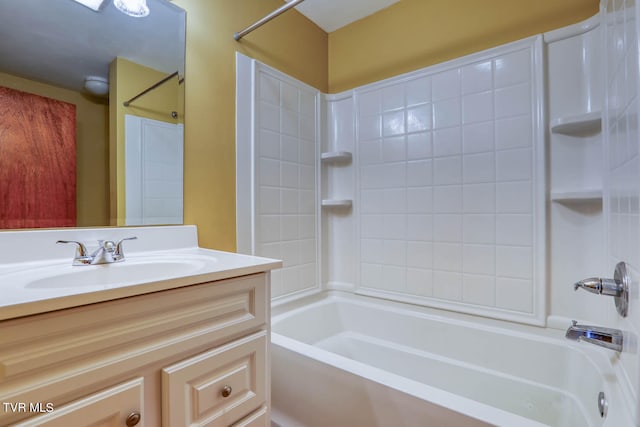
<point x="218" y="387"/>
<point x="259" y="418"/>
<point x="114" y="406"/>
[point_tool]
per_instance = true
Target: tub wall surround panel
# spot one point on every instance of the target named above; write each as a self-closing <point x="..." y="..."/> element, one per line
<point x="446" y="179"/>
<point x="450" y="185"/>
<point x="339" y="226"/>
<point x="282" y="147"/>
<point x="154" y="171"/>
<point x="575" y="169"/>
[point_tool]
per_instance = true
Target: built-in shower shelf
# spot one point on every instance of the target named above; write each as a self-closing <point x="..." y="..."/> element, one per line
<point x="336" y="157"/>
<point x="578" y="125"/>
<point x="586" y="195"/>
<point x="337" y="203"/>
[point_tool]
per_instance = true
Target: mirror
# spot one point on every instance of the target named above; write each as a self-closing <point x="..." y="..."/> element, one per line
<point x="48" y="48"/>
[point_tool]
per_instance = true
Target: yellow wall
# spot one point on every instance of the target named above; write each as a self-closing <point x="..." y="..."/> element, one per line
<point x="413" y="34"/>
<point x="126" y="80"/>
<point x="91" y="147"/>
<point x="289" y="43"/>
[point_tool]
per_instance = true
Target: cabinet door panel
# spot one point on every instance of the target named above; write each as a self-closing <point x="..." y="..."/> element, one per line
<point x="108" y="408"/>
<point x="260" y="418"/>
<point x="216" y="388"/>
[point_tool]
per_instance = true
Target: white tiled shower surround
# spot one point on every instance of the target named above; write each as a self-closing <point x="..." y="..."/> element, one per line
<point x="154" y="169"/>
<point x="450" y="187"/>
<point x="439" y="150"/>
<point x="447" y="171"/>
<point x="622" y="168"/>
<point x="284" y="225"/>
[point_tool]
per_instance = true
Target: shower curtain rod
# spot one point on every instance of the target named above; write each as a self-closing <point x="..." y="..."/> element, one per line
<point x="150" y="88"/>
<point x="282" y="9"/>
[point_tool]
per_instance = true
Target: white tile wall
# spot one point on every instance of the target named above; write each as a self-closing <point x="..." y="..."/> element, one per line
<point x="153" y="196"/>
<point x="622" y="166"/>
<point x="286" y="168"/>
<point x="447" y="182"/>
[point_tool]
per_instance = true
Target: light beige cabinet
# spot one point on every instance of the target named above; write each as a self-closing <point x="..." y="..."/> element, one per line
<point x="218" y="387"/>
<point x="191" y="356"/>
<point x="117" y="406"/>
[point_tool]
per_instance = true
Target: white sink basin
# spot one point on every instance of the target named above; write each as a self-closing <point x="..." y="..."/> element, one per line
<point x="133" y="270"/>
<point x="117" y="273"/>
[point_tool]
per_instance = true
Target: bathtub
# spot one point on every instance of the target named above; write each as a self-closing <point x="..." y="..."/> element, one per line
<point x="343" y="360"/>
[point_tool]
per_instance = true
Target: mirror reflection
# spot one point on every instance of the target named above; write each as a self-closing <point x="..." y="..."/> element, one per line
<point x="71" y="152"/>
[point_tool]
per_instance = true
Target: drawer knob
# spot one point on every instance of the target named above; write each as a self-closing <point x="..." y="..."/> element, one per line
<point x="226" y="391"/>
<point x="133" y="419"/>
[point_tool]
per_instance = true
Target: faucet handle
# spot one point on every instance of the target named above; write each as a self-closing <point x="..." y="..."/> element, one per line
<point x="600" y="286"/>
<point x="82" y="256"/>
<point x="81" y="249"/>
<point x="618" y="287"/>
<point x="119" y="252"/>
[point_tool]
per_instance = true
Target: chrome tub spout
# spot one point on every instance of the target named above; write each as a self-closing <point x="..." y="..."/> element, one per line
<point x="604" y="337"/>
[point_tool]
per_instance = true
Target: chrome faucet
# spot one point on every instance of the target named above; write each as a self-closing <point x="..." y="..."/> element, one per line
<point x="599" y="286"/>
<point x="108" y="252"/>
<point x="618" y="287"/>
<point x="604" y="337"/>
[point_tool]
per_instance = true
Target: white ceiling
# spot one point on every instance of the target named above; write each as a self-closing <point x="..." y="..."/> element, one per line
<point x="61" y="42"/>
<point x="333" y="14"/>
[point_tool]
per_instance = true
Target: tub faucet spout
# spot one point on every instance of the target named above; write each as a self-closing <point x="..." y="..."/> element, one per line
<point x="604" y="337"/>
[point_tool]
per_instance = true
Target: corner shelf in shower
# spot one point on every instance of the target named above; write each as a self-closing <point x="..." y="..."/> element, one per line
<point x="577" y="196"/>
<point x="337" y="203"/>
<point x="336" y="157"/>
<point x="578" y="125"/>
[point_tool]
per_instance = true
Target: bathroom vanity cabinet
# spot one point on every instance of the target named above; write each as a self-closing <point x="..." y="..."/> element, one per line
<point x="193" y="355"/>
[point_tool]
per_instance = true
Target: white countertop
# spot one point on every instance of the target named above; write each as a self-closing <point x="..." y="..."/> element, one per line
<point x="42" y="285"/>
<point x="17" y="300"/>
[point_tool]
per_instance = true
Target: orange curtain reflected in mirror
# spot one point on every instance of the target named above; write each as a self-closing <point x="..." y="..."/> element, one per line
<point x="37" y="161"/>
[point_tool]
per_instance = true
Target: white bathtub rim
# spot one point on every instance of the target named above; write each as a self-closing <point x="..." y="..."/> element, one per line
<point x="302" y="295"/>
<point x="463" y="405"/>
